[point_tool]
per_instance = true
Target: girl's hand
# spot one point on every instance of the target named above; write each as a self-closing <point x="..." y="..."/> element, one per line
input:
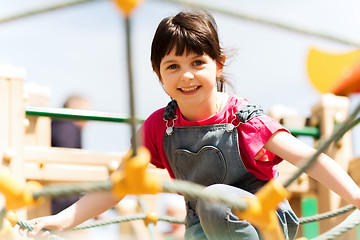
<point x="43" y="226"/>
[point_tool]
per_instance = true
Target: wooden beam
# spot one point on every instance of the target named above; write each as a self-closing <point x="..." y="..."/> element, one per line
<point x="67" y="164"/>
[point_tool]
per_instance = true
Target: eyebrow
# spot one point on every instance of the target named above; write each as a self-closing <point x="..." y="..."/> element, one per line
<point x="171" y="61"/>
<point x="168" y="62"/>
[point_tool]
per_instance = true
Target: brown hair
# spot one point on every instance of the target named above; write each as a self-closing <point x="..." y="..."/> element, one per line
<point x="193" y="32"/>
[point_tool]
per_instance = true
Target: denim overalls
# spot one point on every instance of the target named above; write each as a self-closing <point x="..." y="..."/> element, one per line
<point x="209" y="155"/>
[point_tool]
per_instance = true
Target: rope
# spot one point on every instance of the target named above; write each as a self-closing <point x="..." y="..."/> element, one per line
<point x="27" y="225"/>
<point x="350" y="222"/>
<point x="133" y="121"/>
<point x="192" y="190"/>
<point x="30" y="227"/>
<point x="171" y="219"/>
<point x="73" y="189"/>
<point x="43" y="10"/>
<point x="150" y="226"/>
<point x="340" y="130"/>
<point x="229" y="12"/>
<point x="101" y="223"/>
<point x="327" y="215"/>
<point x="234" y="13"/>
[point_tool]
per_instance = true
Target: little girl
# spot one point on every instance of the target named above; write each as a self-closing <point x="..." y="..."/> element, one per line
<point x="211" y="138"/>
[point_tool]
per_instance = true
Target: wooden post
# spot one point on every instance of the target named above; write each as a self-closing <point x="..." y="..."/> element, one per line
<point x="327" y="113"/>
<point x="12" y="109"/>
<point x="38" y="133"/>
<point x="11" y="121"/>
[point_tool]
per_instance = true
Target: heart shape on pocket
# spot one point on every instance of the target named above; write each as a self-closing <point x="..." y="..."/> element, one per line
<point x="205" y="167"/>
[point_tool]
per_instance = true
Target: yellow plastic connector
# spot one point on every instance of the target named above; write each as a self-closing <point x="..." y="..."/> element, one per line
<point x="151" y="217"/>
<point x="13" y="218"/>
<point x="134" y="179"/>
<point x="17" y="194"/>
<point x="261" y="210"/>
<point x="127" y="6"/>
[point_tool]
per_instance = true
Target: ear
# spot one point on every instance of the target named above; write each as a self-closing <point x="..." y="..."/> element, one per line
<point x="220" y="67"/>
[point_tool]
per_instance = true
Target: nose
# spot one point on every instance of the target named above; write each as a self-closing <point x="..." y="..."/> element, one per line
<point x="187" y="75"/>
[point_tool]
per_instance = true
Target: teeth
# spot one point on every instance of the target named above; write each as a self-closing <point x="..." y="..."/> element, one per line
<point x="190" y="89"/>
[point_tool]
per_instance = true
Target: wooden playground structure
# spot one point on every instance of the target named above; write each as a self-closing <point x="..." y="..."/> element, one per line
<point x="26" y="152"/>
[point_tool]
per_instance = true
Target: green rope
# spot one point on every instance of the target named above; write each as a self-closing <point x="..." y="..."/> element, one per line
<point x="194" y="191"/>
<point x="133" y="122"/>
<point x="54" y="191"/>
<point x="101" y="223"/>
<point x="319" y="217"/>
<point x="350" y="222"/>
<point x="150" y="226"/>
<point x="188" y="189"/>
<point x="142" y="204"/>
<point x="235" y="13"/>
<point x="43" y="10"/>
<point x="122" y="219"/>
<point x="340" y="130"/>
<point x="27" y="225"/>
<point x="196" y="4"/>
<point x="171" y="219"/>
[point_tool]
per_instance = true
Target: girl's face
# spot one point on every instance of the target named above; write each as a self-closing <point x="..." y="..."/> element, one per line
<point x="190" y="79"/>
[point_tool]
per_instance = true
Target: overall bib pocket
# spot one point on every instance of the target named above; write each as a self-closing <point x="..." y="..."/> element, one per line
<point x="205" y="167"/>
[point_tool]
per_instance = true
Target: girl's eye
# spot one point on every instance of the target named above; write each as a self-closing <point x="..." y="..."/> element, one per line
<point x="198" y="63"/>
<point x="172" y="66"/>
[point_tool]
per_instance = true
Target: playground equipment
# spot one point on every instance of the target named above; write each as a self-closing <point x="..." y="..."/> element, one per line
<point x="135" y="163"/>
<point x="25" y="144"/>
<point x="334" y="73"/>
<point x="25" y="149"/>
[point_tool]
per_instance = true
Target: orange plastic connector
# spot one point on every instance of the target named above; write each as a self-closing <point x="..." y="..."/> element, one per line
<point x="134" y="179"/>
<point x="13" y="218"/>
<point x="17" y="194"/>
<point x="151" y="217"/>
<point x="261" y="210"/>
<point x="127" y="6"/>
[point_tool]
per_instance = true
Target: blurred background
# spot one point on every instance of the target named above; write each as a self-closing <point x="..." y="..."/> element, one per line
<point x="81" y="50"/>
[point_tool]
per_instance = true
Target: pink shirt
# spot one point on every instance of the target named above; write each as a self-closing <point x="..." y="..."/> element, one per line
<point x="252" y="137"/>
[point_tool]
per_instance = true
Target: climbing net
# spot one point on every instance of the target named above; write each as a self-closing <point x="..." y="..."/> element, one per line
<point x="134" y="179"/>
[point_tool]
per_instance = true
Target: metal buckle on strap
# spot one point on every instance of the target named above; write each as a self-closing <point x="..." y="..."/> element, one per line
<point x="230" y="126"/>
<point x="170" y="130"/>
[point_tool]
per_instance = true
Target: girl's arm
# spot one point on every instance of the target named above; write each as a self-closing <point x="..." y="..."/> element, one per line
<point x="89" y="206"/>
<point x="325" y="169"/>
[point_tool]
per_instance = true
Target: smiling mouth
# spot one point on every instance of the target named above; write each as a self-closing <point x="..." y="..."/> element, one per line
<point x="189" y="89"/>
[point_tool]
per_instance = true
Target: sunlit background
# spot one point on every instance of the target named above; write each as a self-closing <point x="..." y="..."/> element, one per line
<point x="81" y="49"/>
